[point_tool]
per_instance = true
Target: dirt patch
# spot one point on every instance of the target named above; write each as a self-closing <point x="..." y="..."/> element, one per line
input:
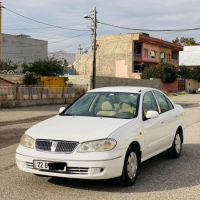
<point x="10" y="136"/>
<point x="22" y="121"/>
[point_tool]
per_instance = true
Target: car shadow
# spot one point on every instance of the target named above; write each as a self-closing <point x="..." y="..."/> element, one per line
<point x="157" y="174"/>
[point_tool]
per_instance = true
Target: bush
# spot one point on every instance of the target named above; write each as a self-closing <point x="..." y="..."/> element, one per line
<point x="165" y="71"/>
<point x="147" y="73"/>
<point x="196" y="74"/>
<point x="184" y="72"/>
<point x="29" y="79"/>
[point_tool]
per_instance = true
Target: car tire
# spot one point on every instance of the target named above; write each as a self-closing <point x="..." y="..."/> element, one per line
<point x="131" y="167"/>
<point x="176" y="149"/>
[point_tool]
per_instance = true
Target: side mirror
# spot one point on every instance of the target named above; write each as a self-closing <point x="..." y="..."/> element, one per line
<point x="61" y="109"/>
<point x="151" y="114"/>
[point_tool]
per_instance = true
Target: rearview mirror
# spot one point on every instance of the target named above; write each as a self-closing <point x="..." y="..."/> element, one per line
<point x="151" y="114"/>
<point x="61" y="109"/>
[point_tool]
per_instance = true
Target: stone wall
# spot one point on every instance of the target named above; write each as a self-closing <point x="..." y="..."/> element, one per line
<point x="114" y="57"/>
<point x="103" y="81"/>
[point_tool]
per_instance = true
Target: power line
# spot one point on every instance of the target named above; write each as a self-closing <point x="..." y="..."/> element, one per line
<point x="149" y="30"/>
<point x="32" y="28"/>
<point x="40" y="22"/>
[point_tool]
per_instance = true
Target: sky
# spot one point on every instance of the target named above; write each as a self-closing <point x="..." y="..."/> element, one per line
<point x="146" y="14"/>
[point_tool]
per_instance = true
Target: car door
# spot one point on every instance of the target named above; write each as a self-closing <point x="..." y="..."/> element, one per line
<point x="168" y="118"/>
<point x="152" y="128"/>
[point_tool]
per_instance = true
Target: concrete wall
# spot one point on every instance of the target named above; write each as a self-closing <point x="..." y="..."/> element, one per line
<point x="112" y="81"/>
<point x="103" y="81"/>
<point x="192" y="84"/>
<point x="80" y="80"/>
<point x="21" y="49"/>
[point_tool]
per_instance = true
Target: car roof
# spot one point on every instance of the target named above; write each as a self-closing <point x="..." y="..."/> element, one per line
<point x="128" y="89"/>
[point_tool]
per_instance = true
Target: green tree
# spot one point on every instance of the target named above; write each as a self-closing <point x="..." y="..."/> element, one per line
<point x="8" y="65"/>
<point x="47" y="67"/>
<point x="165" y="71"/>
<point x="196" y="73"/>
<point x="29" y="79"/>
<point x="147" y="73"/>
<point x="184" y="72"/>
<point x="184" y="41"/>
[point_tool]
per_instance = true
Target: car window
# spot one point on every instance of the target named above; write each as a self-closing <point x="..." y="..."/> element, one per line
<point x="169" y="103"/>
<point x="162" y="101"/>
<point x="105" y="104"/>
<point x="149" y="103"/>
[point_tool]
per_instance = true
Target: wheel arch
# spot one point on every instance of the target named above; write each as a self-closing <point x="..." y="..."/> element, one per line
<point x="137" y="145"/>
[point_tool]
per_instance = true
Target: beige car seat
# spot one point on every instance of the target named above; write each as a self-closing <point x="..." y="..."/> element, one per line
<point x="106" y="109"/>
<point x="127" y="108"/>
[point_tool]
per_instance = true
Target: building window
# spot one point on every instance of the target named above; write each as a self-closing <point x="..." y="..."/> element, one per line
<point x="145" y="52"/>
<point x="168" y="58"/>
<point x="153" y="54"/>
<point x="162" y="57"/>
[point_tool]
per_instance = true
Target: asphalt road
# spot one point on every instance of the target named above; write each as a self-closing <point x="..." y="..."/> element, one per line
<point x="159" y="178"/>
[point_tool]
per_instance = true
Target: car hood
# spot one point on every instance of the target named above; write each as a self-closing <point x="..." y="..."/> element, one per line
<point x="75" y="128"/>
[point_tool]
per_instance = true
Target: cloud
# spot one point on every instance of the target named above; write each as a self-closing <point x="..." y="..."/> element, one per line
<point x="154" y="14"/>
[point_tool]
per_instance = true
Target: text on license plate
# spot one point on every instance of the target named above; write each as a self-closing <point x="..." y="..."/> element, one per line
<point x="46" y="165"/>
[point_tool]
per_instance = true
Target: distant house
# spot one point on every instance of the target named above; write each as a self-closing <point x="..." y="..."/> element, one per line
<point x="190" y="56"/>
<point x="125" y="55"/>
<point x="22" y="48"/>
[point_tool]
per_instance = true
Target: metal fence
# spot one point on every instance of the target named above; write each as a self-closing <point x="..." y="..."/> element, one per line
<point x="39" y="92"/>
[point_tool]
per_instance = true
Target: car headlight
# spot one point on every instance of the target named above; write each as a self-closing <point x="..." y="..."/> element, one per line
<point x="27" y="141"/>
<point x="97" y="146"/>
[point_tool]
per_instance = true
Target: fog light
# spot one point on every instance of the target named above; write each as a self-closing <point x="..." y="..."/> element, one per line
<point x="96" y="170"/>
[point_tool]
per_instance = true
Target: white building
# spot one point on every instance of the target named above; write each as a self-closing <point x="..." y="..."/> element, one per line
<point x="22" y="48"/>
<point x="190" y="56"/>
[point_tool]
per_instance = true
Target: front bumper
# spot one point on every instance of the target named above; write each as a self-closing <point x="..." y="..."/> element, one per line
<point x="89" y="168"/>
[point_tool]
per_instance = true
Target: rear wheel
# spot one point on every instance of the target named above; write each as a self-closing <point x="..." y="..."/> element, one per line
<point x="131" y="166"/>
<point x="175" y="150"/>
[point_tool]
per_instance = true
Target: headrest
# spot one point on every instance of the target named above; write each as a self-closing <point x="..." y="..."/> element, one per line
<point x="107" y="106"/>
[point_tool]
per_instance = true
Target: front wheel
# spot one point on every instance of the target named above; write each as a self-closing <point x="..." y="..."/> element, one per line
<point x="175" y="150"/>
<point x="131" y="166"/>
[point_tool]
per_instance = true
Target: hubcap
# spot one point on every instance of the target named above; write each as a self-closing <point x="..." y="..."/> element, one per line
<point x="132" y="165"/>
<point x="178" y="143"/>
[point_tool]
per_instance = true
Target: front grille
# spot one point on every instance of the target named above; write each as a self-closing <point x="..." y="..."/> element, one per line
<point x="56" y="146"/>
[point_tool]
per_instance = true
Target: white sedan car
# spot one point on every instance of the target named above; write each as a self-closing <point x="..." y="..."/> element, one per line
<point x="106" y="133"/>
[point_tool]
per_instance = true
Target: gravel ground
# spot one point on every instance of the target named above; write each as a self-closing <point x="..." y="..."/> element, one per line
<point x="159" y="178"/>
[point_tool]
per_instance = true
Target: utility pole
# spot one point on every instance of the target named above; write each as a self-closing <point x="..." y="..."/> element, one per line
<point x="94" y="48"/>
<point x="0" y="31"/>
<point x="94" y="31"/>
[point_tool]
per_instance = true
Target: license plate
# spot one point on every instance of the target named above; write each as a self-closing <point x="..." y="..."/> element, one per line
<point x="50" y="166"/>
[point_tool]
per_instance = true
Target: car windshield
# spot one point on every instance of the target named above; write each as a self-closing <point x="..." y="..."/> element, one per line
<point x="105" y="104"/>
